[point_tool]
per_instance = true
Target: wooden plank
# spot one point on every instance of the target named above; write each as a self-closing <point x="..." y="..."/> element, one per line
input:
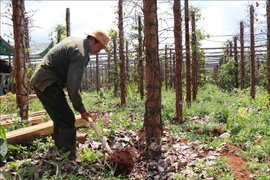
<point x="30" y="96"/>
<point x="32" y="132"/>
<point x="4" y="117"/>
<point x="33" y="120"/>
<point x="81" y="137"/>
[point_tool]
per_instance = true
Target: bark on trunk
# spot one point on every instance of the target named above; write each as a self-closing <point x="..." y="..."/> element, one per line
<point x="178" y="60"/>
<point x="121" y="54"/>
<point x="166" y="68"/>
<point x="188" y="74"/>
<point x="268" y="44"/>
<point x="152" y="116"/>
<point x="242" y="66"/>
<point x="252" y="54"/>
<point x="68" y="21"/>
<point x="20" y="59"/>
<point x="236" y="62"/>
<point x="109" y="71"/>
<point x="194" y="56"/>
<point x="140" y="64"/>
<point x="115" y="76"/>
<point x="97" y="74"/>
<point x="127" y="63"/>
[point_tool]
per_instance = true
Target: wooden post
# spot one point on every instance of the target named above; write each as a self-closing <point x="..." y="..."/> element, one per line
<point x="27" y="40"/>
<point x="20" y="67"/>
<point x="97" y="74"/>
<point x="268" y="45"/>
<point x="188" y="74"/>
<point x="121" y="54"/>
<point x="178" y="60"/>
<point x="109" y="71"/>
<point x="252" y="54"/>
<point x="235" y="62"/>
<point x="242" y="65"/>
<point x="115" y="76"/>
<point x="140" y="64"/>
<point x="68" y="21"/>
<point x="166" y="68"/>
<point x="231" y="48"/>
<point x="194" y="56"/>
<point x="127" y="63"/>
<point x="152" y="117"/>
<point x="171" y="72"/>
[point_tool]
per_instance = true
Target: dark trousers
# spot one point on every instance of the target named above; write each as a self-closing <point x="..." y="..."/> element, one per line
<point x="55" y="103"/>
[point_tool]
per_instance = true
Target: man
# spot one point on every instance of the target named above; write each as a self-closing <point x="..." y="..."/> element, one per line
<point x="63" y="66"/>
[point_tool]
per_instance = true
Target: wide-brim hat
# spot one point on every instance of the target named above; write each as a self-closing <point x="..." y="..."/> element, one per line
<point x="101" y="36"/>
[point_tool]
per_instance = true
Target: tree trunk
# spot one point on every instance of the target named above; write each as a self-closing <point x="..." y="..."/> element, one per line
<point x="235" y="62"/>
<point x="68" y="21"/>
<point x="127" y="63"/>
<point x="178" y="60"/>
<point x="91" y="73"/>
<point x="140" y="64"/>
<point x="27" y="39"/>
<point x="115" y="76"/>
<point x="231" y="48"/>
<point x="97" y="74"/>
<point x="166" y="68"/>
<point x="268" y="44"/>
<point x="152" y="116"/>
<point x="188" y="74"/>
<point x="252" y="54"/>
<point x="194" y="56"/>
<point x="109" y="71"/>
<point x="20" y="59"/>
<point x="121" y="54"/>
<point x="242" y="66"/>
<point x="171" y="72"/>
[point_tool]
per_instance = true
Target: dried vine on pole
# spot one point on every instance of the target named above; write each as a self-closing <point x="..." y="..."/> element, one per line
<point x="236" y="62"/>
<point x="178" y="60"/>
<point x="252" y="54"/>
<point x="194" y="56"/>
<point x="152" y="116"/>
<point x="242" y="61"/>
<point x="140" y="64"/>
<point x="268" y="44"/>
<point x="20" y="57"/>
<point x="68" y="21"/>
<point x="121" y="54"/>
<point x="188" y="74"/>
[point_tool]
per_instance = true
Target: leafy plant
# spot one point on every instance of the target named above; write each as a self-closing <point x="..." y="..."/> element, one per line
<point x="220" y="115"/>
<point x="3" y="144"/>
<point x="226" y="78"/>
<point x="90" y="155"/>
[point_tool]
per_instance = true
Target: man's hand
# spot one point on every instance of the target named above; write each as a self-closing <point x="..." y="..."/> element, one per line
<point x="85" y="115"/>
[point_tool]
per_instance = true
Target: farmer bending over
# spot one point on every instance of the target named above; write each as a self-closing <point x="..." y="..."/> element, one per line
<point x="63" y="66"/>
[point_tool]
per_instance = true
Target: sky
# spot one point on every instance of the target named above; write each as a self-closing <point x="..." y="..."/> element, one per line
<point x="219" y="17"/>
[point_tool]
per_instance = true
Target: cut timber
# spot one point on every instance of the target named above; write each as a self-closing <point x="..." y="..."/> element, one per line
<point x="12" y="116"/>
<point x="31" y="96"/>
<point x="29" y="133"/>
<point x="34" y="118"/>
<point x="81" y="136"/>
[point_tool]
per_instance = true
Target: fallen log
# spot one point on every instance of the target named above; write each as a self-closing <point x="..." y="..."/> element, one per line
<point x="29" y="133"/>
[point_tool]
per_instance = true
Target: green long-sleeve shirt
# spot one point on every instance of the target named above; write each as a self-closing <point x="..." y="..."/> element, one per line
<point x="64" y="64"/>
